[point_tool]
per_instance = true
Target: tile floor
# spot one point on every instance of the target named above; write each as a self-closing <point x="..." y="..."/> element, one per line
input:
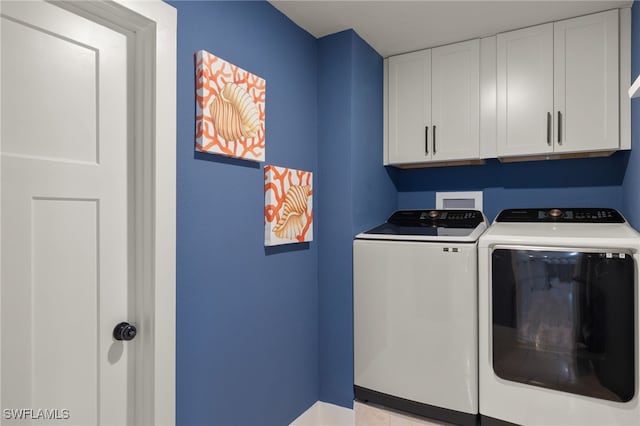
<point x="373" y="415"/>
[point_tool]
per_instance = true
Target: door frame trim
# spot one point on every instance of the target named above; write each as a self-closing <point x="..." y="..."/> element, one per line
<point x="155" y="26"/>
<point x="151" y="28"/>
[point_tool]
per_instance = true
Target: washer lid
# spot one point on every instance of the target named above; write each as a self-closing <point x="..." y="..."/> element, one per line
<point x="430" y="225"/>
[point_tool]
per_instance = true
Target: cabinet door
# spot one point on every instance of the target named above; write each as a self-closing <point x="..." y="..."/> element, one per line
<point x="409" y="107"/>
<point x="525" y="91"/>
<point x="586" y="83"/>
<point x="455" y="101"/>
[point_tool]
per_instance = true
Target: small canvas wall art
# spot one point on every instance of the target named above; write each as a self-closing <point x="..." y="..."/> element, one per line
<point x="230" y="109"/>
<point x="288" y="206"/>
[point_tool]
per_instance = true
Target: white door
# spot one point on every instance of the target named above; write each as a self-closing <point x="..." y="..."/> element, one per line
<point x="64" y="248"/>
<point x="525" y="91"/>
<point x="455" y="101"/>
<point x="410" y="107"/>
<point x="586" y="83"/>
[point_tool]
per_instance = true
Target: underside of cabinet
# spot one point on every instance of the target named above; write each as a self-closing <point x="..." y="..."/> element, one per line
<point x="555" y="156"/>
<point x="439" y="164"/>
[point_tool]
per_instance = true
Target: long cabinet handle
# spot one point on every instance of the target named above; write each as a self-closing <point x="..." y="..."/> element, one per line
<point x="549" y="128"/>
<point x="426" y="139"/>
<point x="434" y="140"/>
<point x="559" y="128"/>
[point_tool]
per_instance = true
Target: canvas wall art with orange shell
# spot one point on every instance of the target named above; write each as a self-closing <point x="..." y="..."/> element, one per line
<point x="230" y="109"/>
<point x="288" y="206"/>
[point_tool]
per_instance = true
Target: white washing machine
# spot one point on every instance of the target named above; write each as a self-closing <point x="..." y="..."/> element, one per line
<point x="558" y="318"/>
<point x="415" y="314"/>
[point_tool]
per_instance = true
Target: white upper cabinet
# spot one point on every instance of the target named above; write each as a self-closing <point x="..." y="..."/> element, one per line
<point x="434" y="105"/>
<point x="455" y="114"/>
<point x="558" y="87"/>
<point x="586" y="95"/>
<point x="525" y="91"/>
<point x="409" y="107"/>
<point x="556" y="90"/>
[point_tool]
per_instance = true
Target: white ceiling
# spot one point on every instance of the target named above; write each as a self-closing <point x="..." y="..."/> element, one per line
<point x="393" y="27"/>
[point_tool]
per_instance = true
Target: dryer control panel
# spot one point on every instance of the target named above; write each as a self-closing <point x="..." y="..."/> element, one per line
<point x="561" y="215"/>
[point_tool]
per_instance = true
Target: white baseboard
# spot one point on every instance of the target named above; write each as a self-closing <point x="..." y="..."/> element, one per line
<point x="324" y="414"/>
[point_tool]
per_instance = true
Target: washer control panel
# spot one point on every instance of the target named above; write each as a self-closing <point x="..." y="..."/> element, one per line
<point x="438" y="218"/>
<point x="563" y="215"/>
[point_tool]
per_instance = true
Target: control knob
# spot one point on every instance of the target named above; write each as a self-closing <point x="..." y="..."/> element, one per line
<point x="555" y="213"/>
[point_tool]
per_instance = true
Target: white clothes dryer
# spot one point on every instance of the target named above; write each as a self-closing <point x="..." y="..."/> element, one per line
<point x="415" y="314"/>
<point x="558" y="318"/>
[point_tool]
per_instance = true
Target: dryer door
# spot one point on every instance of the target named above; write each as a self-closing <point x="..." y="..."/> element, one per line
<point x="564" y="320"/>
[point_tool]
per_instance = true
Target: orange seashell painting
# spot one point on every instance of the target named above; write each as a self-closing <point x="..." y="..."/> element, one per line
<point x="230" y="109"/>
<point x="288" y="206"/>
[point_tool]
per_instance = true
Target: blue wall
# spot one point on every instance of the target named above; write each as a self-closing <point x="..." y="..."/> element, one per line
<point x="355" y="190"/>
<point x="586" y="182"/>
<point x="334" y="217"/>
<point x="247" y="317"/>
<point x="631" y="185"/>
<point x="374" y="195"/>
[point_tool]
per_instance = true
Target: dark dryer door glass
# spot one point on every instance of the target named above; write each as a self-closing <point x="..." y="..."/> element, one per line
<point x="564" y="320"/>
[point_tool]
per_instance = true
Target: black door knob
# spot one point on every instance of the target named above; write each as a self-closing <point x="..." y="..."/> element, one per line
<point x="124" y="331"/>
